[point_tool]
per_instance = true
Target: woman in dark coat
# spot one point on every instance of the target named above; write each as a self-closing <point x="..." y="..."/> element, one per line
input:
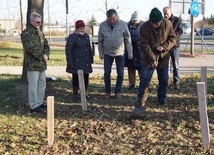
<point x="134" y="64"/>
<point x="79" y="56"/>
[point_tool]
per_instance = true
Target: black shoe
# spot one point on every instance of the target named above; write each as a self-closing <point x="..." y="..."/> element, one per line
<point x="131" y="87"/>
<point x="43" y="106"/>
<point x="37" y="109"/>
<point x="162" y="102"/>
<point x="76" y="98"/>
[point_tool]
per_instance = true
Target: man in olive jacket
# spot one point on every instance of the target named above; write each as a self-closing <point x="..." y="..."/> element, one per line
<point x="37" y="52"/>
<point x="157" y="37"/>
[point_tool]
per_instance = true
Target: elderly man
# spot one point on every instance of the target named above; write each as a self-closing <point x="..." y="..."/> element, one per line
<point x="113" y="37"/>
<point x="174" y="52"/>
<point x="37" y="52"/>
<point x="157" y="37"/>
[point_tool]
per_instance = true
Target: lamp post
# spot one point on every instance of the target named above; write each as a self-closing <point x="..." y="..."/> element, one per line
<point x="49" y="21"/>
<point x="67" y="28"/>
<point x="20" y="2"/>
<point x="203" y="21"/>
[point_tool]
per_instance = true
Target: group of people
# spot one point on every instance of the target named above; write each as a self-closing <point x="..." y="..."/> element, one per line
<point x="135" y="45"/>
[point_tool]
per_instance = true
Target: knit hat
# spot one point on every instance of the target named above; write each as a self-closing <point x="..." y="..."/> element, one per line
<point x="79" y="23"/>
<point x="135" y="16"/>
<point x="155" y="15"/>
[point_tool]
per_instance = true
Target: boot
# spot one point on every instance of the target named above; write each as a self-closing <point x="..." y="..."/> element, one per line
<point x="75" y="94"/>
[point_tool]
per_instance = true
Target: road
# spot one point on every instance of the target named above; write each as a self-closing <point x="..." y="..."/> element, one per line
<point x="62" y="39"/>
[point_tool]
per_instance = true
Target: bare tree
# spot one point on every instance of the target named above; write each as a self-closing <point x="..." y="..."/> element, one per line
<point x="108" y="4"/>
<point x="33" y="6"/>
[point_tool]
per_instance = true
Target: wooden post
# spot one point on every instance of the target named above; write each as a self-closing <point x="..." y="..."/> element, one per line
<point x="204" y="76"/>
<point x="50" y="119"/>
<point x="202" y="101"/>
<point x="82" y="89"/>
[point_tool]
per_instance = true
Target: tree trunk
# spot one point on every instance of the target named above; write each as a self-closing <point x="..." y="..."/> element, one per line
<point x="33" y="6"/>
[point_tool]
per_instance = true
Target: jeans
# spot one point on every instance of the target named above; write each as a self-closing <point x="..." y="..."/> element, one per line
<point x="146" y="75"/>
<point x="36" y="88"/>
<point x="175" y="55"/>
<point x="108" y="61"/>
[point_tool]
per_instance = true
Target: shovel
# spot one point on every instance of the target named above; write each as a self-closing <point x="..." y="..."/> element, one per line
<point x="140" y="110"/>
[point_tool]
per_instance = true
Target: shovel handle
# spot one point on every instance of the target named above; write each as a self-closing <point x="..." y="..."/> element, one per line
<point x="144" y="97"/>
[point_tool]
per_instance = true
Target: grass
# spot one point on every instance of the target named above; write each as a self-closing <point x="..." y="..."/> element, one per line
<point x="106" y="128"/>
<point x="13" y="56"/>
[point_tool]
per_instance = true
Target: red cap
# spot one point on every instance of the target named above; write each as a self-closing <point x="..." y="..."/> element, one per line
<point x="79" y="23"/>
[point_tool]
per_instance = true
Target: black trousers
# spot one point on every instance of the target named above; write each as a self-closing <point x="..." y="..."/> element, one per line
<point x="75" y="80"/>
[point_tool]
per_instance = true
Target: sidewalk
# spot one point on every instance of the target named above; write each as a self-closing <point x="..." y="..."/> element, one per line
<point x="188" y="65"/>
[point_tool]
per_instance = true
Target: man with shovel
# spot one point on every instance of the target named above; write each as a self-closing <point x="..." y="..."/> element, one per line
<point x="157" y="37"/>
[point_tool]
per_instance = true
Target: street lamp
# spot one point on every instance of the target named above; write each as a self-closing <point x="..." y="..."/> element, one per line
<point x="67" y="29"/>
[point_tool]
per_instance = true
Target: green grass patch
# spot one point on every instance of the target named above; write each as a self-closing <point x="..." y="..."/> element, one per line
<point x="13" y="56"/>
<point x="106" y="128"/>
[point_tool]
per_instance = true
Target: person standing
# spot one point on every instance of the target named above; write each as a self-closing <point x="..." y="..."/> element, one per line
<point x="37" y="52"/>
<point x="135" y="63"/>
<point x="79" y="56"/>
<point x="113" y="37"/>
<point x="157" y="37"/>
<point x="174" y="52"/>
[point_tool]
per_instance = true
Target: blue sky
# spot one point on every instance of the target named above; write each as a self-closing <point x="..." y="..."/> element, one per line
<point x="83" y="9"/>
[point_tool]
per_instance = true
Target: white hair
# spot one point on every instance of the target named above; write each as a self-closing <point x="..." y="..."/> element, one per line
<point x="33" y="15"/>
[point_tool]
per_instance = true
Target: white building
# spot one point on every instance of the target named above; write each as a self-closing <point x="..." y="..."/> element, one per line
<point x="7" y="24"/>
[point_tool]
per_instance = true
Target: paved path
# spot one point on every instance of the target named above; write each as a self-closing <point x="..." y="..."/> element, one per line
<point x="188" y="65"/>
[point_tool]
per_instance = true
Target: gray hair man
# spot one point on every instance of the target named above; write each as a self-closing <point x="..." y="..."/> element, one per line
<point x="113" y="39"/>
<point x="174" y="52"/>
<point x="37" y="52"/>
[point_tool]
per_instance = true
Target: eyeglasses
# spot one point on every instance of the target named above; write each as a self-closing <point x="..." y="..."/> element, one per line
<point x="38" y="22"/>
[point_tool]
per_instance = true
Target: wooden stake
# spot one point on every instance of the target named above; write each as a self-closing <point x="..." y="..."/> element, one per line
<point x="204" y="76"/>
<point x="50" y="119"/>
<point x="82" y="89"/>
<point x="202" y="101"/>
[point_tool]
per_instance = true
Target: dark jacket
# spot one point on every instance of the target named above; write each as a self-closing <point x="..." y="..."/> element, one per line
<point x="78" y="53"/>
<point x="150" y="39"/>
<point x="137" y="54"/>
<point x="35" y="46"/>
<point x="177" y="26"/>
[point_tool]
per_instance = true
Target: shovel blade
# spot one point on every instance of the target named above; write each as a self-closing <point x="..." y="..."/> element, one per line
<point x="138" y="111"/>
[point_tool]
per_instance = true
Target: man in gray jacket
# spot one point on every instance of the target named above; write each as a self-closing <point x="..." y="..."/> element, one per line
<point x="113" y="39"/>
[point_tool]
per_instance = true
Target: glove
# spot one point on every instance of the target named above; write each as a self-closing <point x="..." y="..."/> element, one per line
<point x="71" y="66"/>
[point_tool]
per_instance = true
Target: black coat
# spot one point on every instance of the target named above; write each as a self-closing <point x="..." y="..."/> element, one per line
<point x="137" y="54"/>
<point x="177" y="26"/>
<point x="78" y="53"/>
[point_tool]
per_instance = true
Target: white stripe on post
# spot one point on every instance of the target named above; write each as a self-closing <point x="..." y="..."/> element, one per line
<point x="82" y="89"/>
<point x="50" y="119"/>
<point x="202" y="101"/>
